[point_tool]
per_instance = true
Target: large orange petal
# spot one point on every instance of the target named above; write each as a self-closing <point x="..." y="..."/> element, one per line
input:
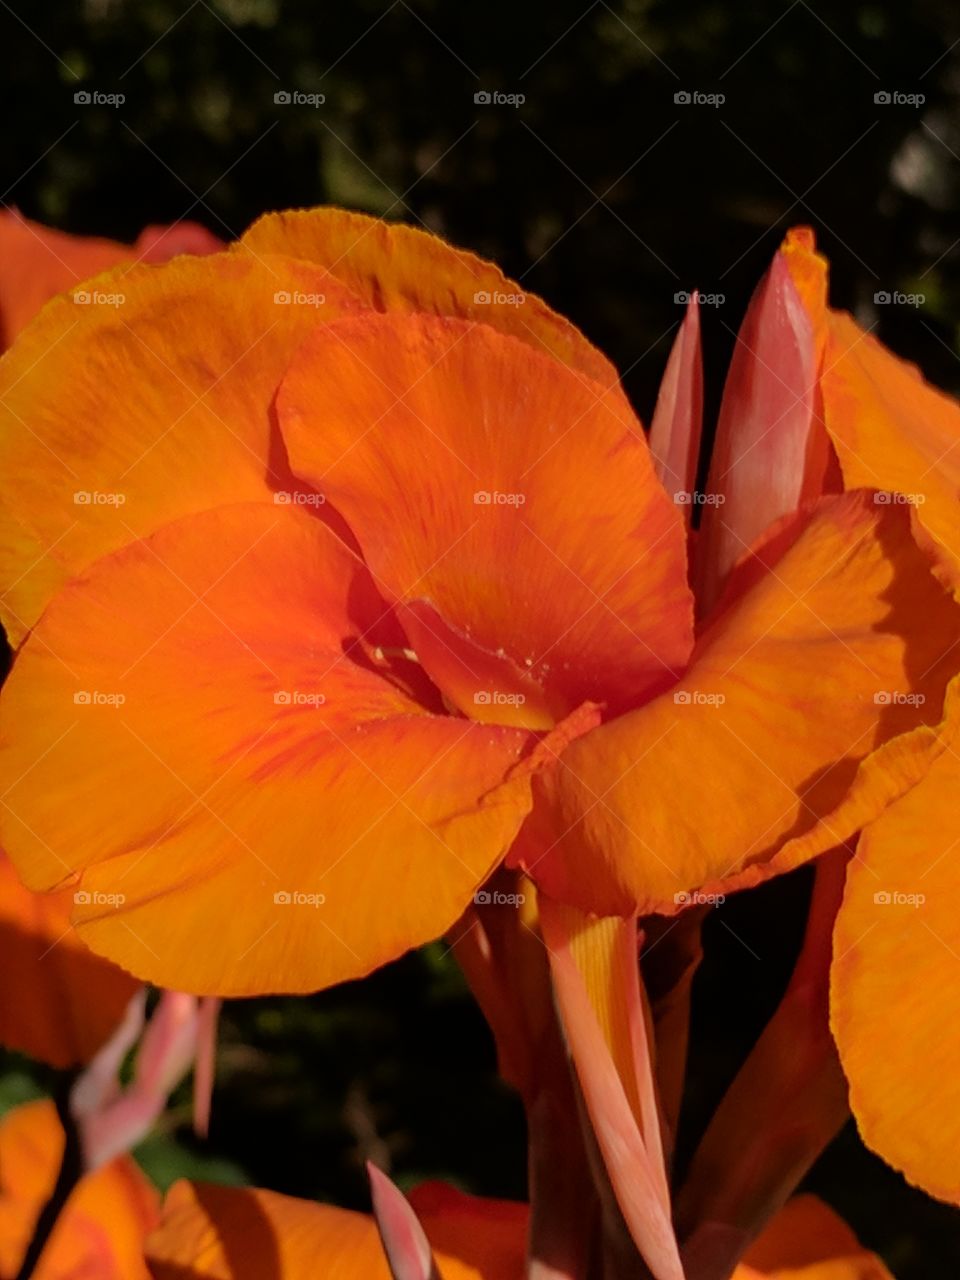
<point x="766" y="752"/>
<point x="272" y="806"/>
<point x="891" y="429"/>
<point x="228" y="1233"/>
<point x="510" y="506"/>
<point x="392" y="267"/>
<point x="808" y="1241"/>
<point x="117" y="418"/>
<point x="101" y="1230"/>
<point x="65" y="1001"/>
<point x="896" y="983"/>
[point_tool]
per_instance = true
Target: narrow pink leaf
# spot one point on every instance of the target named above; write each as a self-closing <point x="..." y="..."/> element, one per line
<point x="678" y="418"/>
<point x="633" y="1159"/>
<point x="112" y="1121"/>
<point x="404" y="1242"/>
<point x="759" y="460"/>
<point x="205" y="1066"/>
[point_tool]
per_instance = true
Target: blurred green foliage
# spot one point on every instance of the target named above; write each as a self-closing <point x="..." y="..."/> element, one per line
<point x="608" y="197"/>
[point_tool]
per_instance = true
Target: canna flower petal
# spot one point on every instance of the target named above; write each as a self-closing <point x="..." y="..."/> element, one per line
<point x="65" y="1002"/>
<point x="392" y="267"/>
<point x="891" y="429"/>
<point x="117" y="419"/>
<point x="504" y="594"/>
<point x="269" y="807"/>
<point x="101" y="1230"/>
<point x="38" y="262"/>
<point x="807" y="707"/>
<point x="228" y="1233"/>
<point x="808" y="1241"/>
<point x="896" y="983"/>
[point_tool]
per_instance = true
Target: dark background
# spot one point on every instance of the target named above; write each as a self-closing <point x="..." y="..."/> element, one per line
<point x="608" y="197"/>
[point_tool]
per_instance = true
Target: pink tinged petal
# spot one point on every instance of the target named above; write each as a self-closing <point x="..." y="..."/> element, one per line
<point x="678" y="418"/>
<point x="157" y="243"/>
<point x="759" y="470"/>
<point x="114" y="1124"/>
<point x="99" y="1082"/>
<point x="627" y="1129"/>
<point x="205" y="1065"/>
<point x="404" y="1242"/>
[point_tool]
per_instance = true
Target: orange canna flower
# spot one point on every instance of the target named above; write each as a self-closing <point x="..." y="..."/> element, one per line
<point x="225" y="1233"/>
<point x="100" y="1233"/>
<point x="37" y="262"/>
<point x="340" y="545"/>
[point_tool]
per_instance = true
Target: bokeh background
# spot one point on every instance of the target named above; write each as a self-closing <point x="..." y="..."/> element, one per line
<point x="607" y="195"/>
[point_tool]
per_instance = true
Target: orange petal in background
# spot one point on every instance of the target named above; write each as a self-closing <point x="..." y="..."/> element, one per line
<point x="282" y="814"/>
<point x="37" y="262"/>
<point x="896" y="983"/>
<point x="517" y="501"/>
<point x="767" y="752"/>
<point x="101" y="1230"/>
<point x="59" y="1002"/>
<point x="228" y="1233"/>
<point x="808" y="1241"/>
